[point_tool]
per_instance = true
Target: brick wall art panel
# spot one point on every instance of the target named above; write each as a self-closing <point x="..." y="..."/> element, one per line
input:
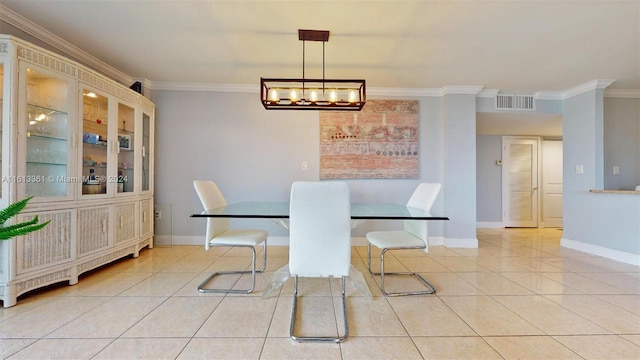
<point x="378" y="142"/>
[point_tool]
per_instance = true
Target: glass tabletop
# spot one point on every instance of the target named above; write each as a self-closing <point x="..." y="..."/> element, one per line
<point x="280" y="210"/>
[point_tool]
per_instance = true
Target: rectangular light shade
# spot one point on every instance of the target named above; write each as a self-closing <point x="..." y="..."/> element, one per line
<point x="312" y="94"/>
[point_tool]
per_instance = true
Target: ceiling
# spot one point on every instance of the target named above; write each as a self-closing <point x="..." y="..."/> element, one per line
<point x="512" y="46"/>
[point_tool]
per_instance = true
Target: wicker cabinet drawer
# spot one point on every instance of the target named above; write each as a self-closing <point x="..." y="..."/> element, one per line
<point x="47" y="247"/>
<point x="93" y="229"/>
<point x="125" y="222"/>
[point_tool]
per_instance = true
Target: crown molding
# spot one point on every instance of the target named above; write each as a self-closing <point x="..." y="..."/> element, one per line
<point x="549" y="95"/>
<point x="622" y="93"/>
<point x="381" y="91"/>
<point x="488" y="93"/>
<point x="460" y="90"/>
<point x="599" y="84"/>
<point x="9" y="16"/>
<point x="232" y="88"/>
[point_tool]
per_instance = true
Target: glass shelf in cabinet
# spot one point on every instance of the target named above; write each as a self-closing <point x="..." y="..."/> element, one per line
<point x="33" y="108"/>
<point x="45" y="137"/>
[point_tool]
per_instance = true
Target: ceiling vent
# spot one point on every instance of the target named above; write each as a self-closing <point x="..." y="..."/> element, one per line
<point x="515" y="102"/>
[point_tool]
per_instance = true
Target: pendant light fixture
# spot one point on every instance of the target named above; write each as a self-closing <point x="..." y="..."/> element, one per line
<point x="312" y="94"/>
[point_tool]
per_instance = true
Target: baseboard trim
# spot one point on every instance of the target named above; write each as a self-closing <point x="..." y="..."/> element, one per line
<point x="617" y="255"/>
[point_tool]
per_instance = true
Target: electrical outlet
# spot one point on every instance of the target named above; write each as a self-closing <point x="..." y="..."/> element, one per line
<point x="305" y="166"/>
<point x="158" y="215"/>
<point x="616" y="170"/>
<point x="579" y="169"/>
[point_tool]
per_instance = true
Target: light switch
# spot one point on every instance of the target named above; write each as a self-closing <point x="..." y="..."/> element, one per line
<point x="579" y="169"/>
<point x="616" y="170"/>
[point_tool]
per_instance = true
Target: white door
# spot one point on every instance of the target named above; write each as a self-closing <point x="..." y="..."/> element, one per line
<point x="552" y="183"/>
<point x="520" y="181"/>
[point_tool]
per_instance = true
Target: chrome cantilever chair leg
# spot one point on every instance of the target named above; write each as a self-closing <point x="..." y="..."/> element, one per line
<point x="336" y="339"/>
<point x="430" y="287"/>
<point x="253" y="271"/>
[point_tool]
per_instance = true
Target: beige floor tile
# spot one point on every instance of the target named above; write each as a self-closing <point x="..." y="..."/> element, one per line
<point x="530" y="347"/>
<point x="499" y="264"/>
<point x="42" y="320"/>
<point x="629" y="282"/>
<point x="281" y="318"/>
<point x="103" y="284"/>
<point x="62" y="349"/>
<point x="458" y="348"/>
<point x="460" y="263"/>
<point x="535" y="264"/>
<point x="115" y="316"/>
<point x="373" y="318"/>
<point x="539" y="284"/>
<point x="239" y="317"/>
<point x="422" y="264"/>
<point x="428" y="316"/>
<point x="628" y="302"/>
<point x="176" y="317"/>
<point x="632" y="338"/>
<point x="160" y="284"/>
<point x="611" y="347"/>
<point x="556" y="320"/>
<point x="451" y="284"/>
<point x="584" y="284"/>
<point x="600" y="312"/>
<point x="285" y="348"/>
<point x="379" y="348"/>
<point x="142" y="348"/>
<point x="149" y="307"/>
<point x="494" y="283"/>
<point x="487" y="317"/>
<point x="223" y="348"/>
<point x="11" y="346"/>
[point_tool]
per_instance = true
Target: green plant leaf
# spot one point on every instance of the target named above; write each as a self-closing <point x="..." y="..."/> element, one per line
<point x="13" y="210"/>
<point x="22" y="230"/>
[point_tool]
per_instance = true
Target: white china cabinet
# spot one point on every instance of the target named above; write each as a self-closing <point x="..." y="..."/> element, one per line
<point x="82" y="146"/>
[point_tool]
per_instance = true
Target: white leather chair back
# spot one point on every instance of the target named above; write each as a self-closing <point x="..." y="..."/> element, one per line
<point x="423" y="198"/>
<point x="320" y="229"/>
<point x="211" y="198"/>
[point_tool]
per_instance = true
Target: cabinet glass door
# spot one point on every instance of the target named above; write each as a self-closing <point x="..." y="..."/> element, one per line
<point x="47" y="150"/>
<point x="126" y="137"/>
<point x="95" y="115"/>
<point x="146" y="148"/>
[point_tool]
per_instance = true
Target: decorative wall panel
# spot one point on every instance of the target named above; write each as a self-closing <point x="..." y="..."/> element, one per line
<point x="379" y="142"/>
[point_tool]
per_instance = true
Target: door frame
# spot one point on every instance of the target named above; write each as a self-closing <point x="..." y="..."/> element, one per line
<point x="505" y="177"/>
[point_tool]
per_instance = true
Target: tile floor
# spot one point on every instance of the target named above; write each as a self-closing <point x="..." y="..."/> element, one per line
<point x="518" y="296"/>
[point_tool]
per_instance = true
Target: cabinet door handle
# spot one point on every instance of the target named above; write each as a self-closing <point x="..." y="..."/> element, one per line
<point x="144" y="216"/>
<point x="144" y="152"/>
<point x="104" y="225"/>
<point x="63" y="235"/>
<point x="121" y="222"/>
<point x="74" y="140"/>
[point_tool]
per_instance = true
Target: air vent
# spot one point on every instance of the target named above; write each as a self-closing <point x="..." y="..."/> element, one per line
<point x="515" y="102"/>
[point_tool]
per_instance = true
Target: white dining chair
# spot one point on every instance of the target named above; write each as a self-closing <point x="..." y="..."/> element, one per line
<point x="319" y="241"/>
<point x="219" y="234"/>
<point x="414" y="236"/>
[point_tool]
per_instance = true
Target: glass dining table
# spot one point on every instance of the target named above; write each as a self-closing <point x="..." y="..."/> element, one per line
<point x="279" y="213"/>
<point x="280" y="210"/>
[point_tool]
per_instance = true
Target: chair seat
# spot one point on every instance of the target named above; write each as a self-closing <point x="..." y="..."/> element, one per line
<point x="394" y="239"/>
<point x="240" y="237"/>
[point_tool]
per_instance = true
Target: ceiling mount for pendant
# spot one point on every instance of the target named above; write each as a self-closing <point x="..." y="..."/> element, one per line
<point x="312" y="94"/>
